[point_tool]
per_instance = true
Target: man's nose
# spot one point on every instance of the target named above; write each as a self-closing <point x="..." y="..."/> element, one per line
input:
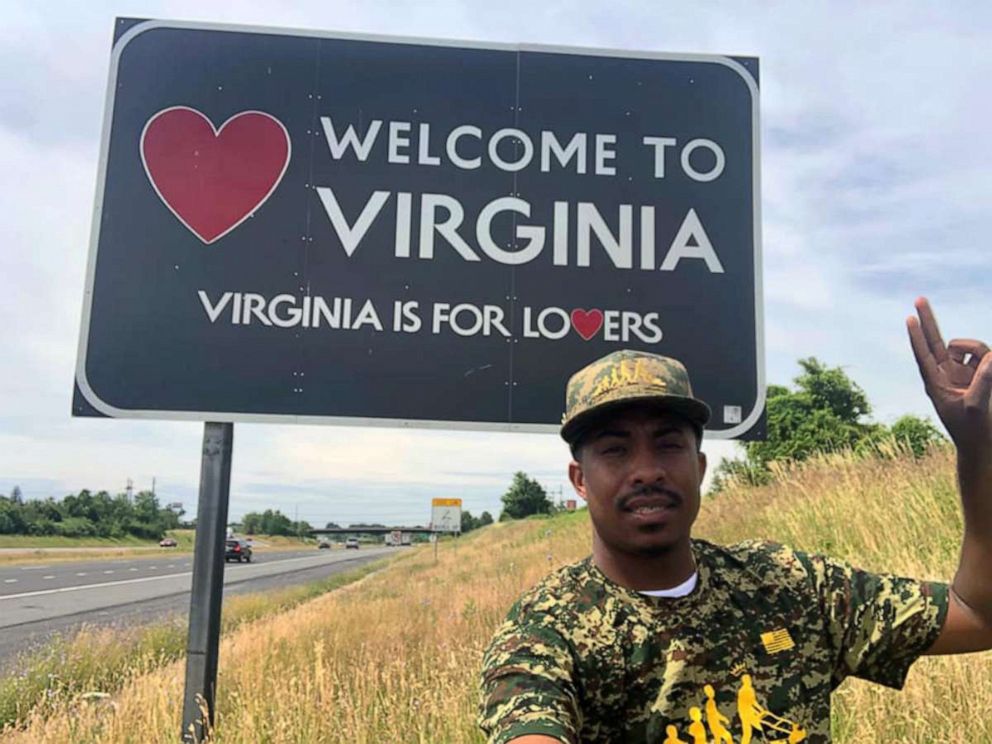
<point x="646" y="466"/>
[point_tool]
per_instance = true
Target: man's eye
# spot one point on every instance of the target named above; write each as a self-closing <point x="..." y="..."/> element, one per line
<point x="612" y="449"/>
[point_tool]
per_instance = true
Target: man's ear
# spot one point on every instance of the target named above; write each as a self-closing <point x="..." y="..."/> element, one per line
<point x="578" y="478"/>
<point x="702" y="466"/>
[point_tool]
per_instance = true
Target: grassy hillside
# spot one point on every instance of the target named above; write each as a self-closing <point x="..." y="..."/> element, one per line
<point x="395" y="657"/>
<point x="57" y="541"/>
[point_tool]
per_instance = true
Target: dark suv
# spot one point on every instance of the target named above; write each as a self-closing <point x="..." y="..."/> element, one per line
<point x="237" y="549"/>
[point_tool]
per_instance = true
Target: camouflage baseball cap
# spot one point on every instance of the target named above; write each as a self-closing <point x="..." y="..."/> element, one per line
<point x="626" y="378"/>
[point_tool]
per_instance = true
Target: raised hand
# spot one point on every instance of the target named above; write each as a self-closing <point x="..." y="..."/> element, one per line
<point x="957" y="377"/>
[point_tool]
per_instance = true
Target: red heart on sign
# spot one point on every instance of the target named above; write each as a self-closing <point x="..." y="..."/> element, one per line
<point x="214" y="179"/>
<point x="587" y="322"/>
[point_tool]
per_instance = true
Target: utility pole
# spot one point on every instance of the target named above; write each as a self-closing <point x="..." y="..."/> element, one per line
<point x="130" y="491"/>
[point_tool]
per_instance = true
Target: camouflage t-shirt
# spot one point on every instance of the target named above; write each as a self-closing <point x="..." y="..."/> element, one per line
<point x="752" y="653"/>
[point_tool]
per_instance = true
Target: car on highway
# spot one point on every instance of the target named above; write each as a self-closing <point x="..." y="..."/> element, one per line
<point x="167" y="542"/>
<point x="352" y="542"/>
<point x="324" y="545"/>
<point x="237" y="549"/>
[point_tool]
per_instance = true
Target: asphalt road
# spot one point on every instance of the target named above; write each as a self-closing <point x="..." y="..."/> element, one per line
<point x="38" y="601"/>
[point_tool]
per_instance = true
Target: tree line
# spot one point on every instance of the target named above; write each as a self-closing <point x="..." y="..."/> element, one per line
<point x="525" y="497"/>
<point x="273" y="522"/>
<point x="470" y="523"/>
<point x="87" y="514"/>
<point x="825" y="412"/>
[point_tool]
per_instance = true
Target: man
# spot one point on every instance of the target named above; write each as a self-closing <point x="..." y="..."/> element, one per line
<point x="657" y="636"/>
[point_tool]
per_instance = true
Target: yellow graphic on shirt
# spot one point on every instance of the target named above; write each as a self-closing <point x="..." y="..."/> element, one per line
<point x="753" y="716"/>
<point x="777" y="640"/>
<point x="696" y="729"/>
<point x="748" y="709"/>
<point x="715" y="719"/>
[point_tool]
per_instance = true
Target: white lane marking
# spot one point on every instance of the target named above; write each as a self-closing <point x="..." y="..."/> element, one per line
<point x="171" y="565"/>
<point x="108" y="572"/>
<point x="10" y="581"/>
<point x="132" y="569"/>
<point x="94" y="586"/>
<point x="151" y="567"/>
<point x="50" y="576"/>
<point x="33" y="568"/>
<point x="60" y="590"/>
<point x="81" y="573"/>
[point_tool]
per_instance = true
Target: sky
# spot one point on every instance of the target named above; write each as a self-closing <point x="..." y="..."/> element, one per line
<point x="875" y="189"/>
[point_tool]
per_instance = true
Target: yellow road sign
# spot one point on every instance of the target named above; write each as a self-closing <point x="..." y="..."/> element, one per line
<point x="446" y="502"/>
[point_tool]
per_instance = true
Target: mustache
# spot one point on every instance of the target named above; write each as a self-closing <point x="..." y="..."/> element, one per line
<point x="649" y="489"/>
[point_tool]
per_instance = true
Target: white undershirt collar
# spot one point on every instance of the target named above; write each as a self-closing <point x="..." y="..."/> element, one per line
<point x="682" y="590"/>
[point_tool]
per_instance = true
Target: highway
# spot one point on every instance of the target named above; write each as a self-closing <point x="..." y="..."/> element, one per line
<point x="39" y="600"/>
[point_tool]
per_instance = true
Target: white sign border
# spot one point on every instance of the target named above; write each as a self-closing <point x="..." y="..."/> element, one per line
<point x="112" y="411"/>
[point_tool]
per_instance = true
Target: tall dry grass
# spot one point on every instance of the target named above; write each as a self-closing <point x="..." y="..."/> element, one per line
<point x="395" y="657"/>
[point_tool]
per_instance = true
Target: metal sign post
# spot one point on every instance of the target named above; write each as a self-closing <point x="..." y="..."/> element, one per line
<point x="208" y="582"/>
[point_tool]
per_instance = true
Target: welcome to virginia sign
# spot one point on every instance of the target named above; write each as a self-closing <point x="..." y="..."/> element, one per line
<point x="297" y="226"/>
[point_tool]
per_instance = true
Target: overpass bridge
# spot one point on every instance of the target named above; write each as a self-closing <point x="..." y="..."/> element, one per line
<point x="419" y="530"/>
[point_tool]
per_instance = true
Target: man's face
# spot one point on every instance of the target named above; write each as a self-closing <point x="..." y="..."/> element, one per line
<point x="640" y="473"/>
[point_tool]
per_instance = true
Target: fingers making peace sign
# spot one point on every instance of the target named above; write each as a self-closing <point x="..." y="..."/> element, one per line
<point x="957" y="377"/>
